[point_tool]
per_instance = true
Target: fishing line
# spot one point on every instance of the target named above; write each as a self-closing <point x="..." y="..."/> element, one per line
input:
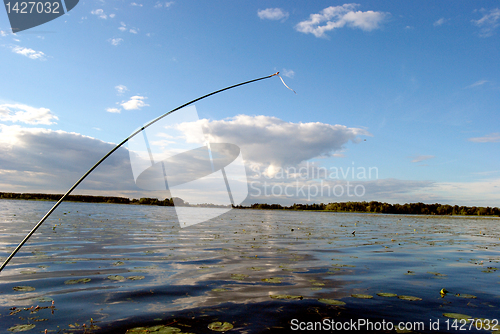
<point x="113" y="150"/>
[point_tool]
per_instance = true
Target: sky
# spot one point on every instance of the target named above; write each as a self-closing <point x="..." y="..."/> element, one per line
<point x="396" y="101"/>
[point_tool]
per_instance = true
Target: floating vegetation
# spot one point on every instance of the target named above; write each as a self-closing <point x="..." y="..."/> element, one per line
<point x="76" y="281"/>
<point x="272" y="280"/>
<point x="465" y="295"/>
<point x="386" y="294"/>
<point x="331" y="301"/>
<point x="220" y="326"/>
<point x="116" y="277"/>
<point x="239" y="277"/>
<point x="361" y="296"/>
<point x="286" y="297"/>
<point x="457" y="316"/>
<point x="318" y="284"/>
<point x="28" y="272"/>
<point x="23" y="288"/>
<point x="343" y="265"/>
<point x="410" y="298"/>
<point x="119" y="263"/>
<point x="136" y="278"/>
<point x="21" y="328"/>
<point x="256" y="268"/>
<point x="220" y="290"/>
<point x="159" y="329"/>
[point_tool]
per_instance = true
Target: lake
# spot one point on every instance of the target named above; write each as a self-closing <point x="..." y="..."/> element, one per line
<point x="108" y="268"/>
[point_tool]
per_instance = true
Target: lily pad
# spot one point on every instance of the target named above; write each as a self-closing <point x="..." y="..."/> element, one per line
<point x="286" y="297"/>
<point x="116" y="277"/>
<point x="76" y="281"/>
<point x="220" y="326"/>
<point x="331" y="301"/>
<point x="361" y="296"/>
<point x="256" y="268"/>
<point x="160" y="329"/>
<point x="239" y="277"/>
<point x="21" y="328"/>
<point x="23" y="288"/>
<point x="136" y="278"/>
<point x="410" y="298"/>
<point x="272" y="280"/>
<point x="386" y="294"/>
<point x="465" y="295"/>
<point x="457" y="316"/>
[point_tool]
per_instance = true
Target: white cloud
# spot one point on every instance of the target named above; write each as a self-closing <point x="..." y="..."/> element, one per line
<point x="25" y="114"/>
<point x="272" y="143"/>
<point x="288" y="73"/>
<point x="136" y="4"/>
<point x="99" y="13"/>
<point x="135" y="102"/>
<point x="163" y="4"/>
<point x="477" y="83"/>
<point x="112" y="15"/>
<point x="42" y="160"/>
<point x="120" y="89"/>
<point x="335" y="17"/>
<point x="116" y="41"/>
<point x="420" y="158"/>
<point x="489" y="22"/>
<point x="3" y="33"/>
<point x="272" y="14"/>
<point x="30" y="53"/>
<point x="491" y="138"/>
<point x="133" y="31"/>
<point x="113" y="110"/>
<point x="439" y="22"/>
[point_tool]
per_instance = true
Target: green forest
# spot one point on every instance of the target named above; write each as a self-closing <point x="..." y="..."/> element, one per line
<point x="369" y="207"/>
<point x="379" y="207"/>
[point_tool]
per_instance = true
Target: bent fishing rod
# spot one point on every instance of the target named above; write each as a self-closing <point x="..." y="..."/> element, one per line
<point x="117" y="147"/>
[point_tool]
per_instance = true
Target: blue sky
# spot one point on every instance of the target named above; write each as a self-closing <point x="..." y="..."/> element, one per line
<point x="411" y="89"/>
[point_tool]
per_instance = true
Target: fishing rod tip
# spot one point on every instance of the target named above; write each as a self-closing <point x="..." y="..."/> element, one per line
<point x="277" y="73"/>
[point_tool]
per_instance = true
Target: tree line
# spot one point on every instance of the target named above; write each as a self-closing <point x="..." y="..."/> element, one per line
<point x="104" y="199"/>
<point x="380" y="207"/>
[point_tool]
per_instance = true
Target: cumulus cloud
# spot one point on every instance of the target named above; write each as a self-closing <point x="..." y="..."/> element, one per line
<point x="163" y="4"/>
<point x="489" y="22"/>
<point x="116" y="41"/>
<point x="273" y="143"/>
<point x="99" y="13"/>
<point x="440" y="22"/>
<point x="113" y="110"/>
<point x="491" y="138"/>
<point x="335" y="17"/>
<point x="120" y="89"/>
<point x="420" y="158"/>
<point x="26" y="114"/>
<point x="288" y="73"/>
<point x="27" y="52"/>
<point x="135" y="102"/>
<point x="42" y="160"/>
<point x="272" y="14"/>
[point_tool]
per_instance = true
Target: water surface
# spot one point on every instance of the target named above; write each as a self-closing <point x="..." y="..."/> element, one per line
<point x="125" y="266"/>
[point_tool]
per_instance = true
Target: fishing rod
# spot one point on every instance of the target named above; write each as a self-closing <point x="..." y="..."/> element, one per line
<point x="113" y="150"/>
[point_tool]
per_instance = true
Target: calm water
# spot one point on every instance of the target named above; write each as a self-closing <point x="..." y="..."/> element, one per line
<point x="126" y="266"/>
